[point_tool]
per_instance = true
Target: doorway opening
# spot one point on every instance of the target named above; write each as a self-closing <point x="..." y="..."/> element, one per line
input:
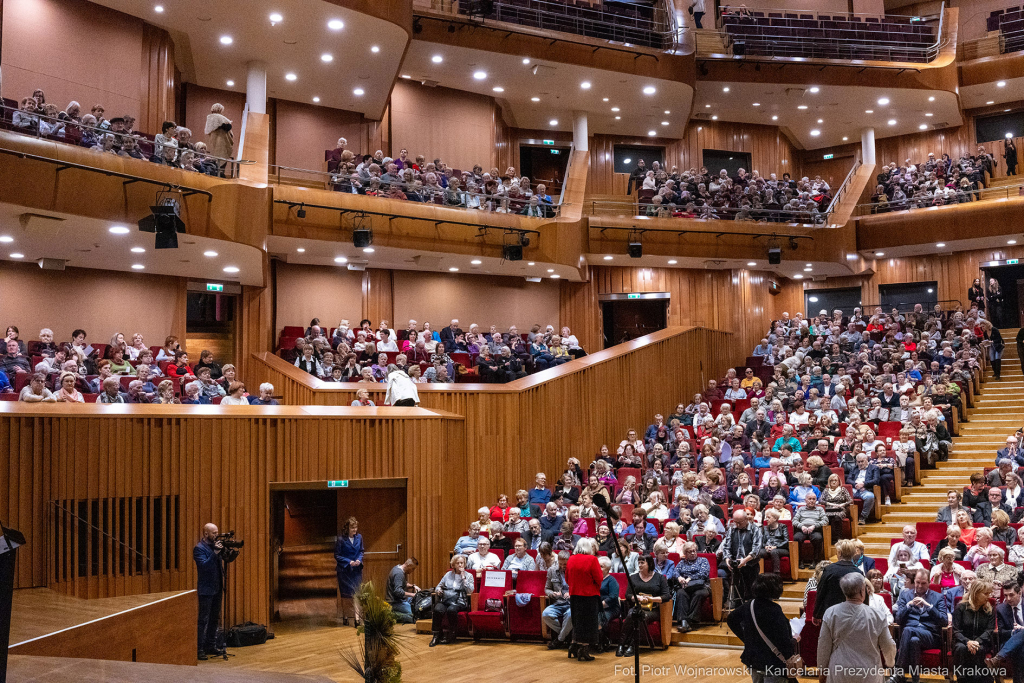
<point x="905" y="295"/>
<point x="717" y="159"/>
<point x="1011" y="281"/>
<point x="628" y="316"/>
<point x="545" y="165"/>
<point x="843" y="298"/>
<point x="210" y="323"/>
<point x="305" y="521"/>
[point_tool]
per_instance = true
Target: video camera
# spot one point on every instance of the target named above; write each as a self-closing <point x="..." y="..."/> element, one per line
<point x="231" y="546"/>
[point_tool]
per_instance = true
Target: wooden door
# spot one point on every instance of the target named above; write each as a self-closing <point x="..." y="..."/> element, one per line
<point x="382" y="522"/>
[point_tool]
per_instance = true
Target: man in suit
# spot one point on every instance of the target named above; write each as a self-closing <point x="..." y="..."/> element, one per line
<point x="1010" y="618"/>
<point x="864" y="477"/>
<point x="983" y="511"/>
<point x="829" y="591"/>
<point x="211" y="583"/>
<point x="449" y="334"/>
<point x="533" y="536"/>
<point x="921" y="614"/>
<point x="759" y="425"/>
<point x="1011" y="452"/>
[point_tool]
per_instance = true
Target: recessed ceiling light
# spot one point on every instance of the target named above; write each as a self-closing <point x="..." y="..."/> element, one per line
<point x="815" y="89"/>
<point x="316" y="99"/>
<point x="301" y="250"/>
<point x="807" y="270"/>
<point x="757" y="104"/>
<point x="553" y="122"/>
<point x="879" y="253"/>
<point x="555" y="277"/>
<point x="845" y="138"/>
<point x="672" y="262"/>
<point x="498" y="88"/>
<point x="6" y="239"/>
<point x="231" y="84"/>
<point x="1000" y="84"/>
<point x="210" y="254"/>
<point x="551" y="270"/>
<point x="798" y="276"/>
<point x="650" y="90"/>
<point x="892" y="122"/>
<point x="335" y="24"/>
<point x="535" y="99"/>
<point x="226" y="40"/>
<point x="725" y="89"/>
<point x="928" y="113"/>
<point x="137" y="266"/>
<point x="752" y="263"/>
<point x="667" y="111"/>
<point x="815" y="132"/>
<point x="368" y="250"/>
<point x="991" y="102"/>
<point x="290" y="77"/>
<point x="479" y="75"/>
<point x="276" y="18"/>
<point x="802" y="106"/>
<point x="941" y="244"/>
<point x="932" y="98"/>
<point x="608" y="258"/>
<point x="326" y="57"/>
<point x="923" y="126"/>
<point x="119" y="230"/>
<point x="406" y="76"/>
<point x="476" y="262"/>
<point x="453" y="269"/>
<point x="652" y="133"/>
<point x="341" y="259"/>
<point x="358" y="92"/>
<point x="585" y="85"/>
<point x="869" y="111"/>
<point x="664" y="123"/>
<point x="821" y="120"/>
<point x="714" y="118"/>
<point x="531" y="263"/>
<point x="138" y="250"/>
<point x="604" y="99"/>
<point x="375" y="49"/>
<point x="883" y="101"/>
<point x="158" y="9"/>
<point x="775" y="118"/>
<point x="707" y="106"/>
<point x="1011" y="241"/>
<point x="231" y="269"/>
<point x="526" y="60"/>
<point x="437" y="59"/>
<point x="17" y="255"/>
<point x="617" y="118"/>
<point x="615" y="108"/>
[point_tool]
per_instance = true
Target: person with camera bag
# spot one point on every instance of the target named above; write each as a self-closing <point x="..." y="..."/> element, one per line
<point x="207" y="555"/>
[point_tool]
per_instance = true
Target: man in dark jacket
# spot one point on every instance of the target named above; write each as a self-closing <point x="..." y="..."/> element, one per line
<point x="449" y="334"/>
<point x="636" y="177"/>
<point x="771" y="621"/>
<point x="207" y="557"/>
<point x="921" y="614"/>
<point x="983" y="510"/>
<point x="829" y="592"/>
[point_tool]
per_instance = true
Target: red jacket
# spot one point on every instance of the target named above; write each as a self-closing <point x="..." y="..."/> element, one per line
<point x="583" y="573"/>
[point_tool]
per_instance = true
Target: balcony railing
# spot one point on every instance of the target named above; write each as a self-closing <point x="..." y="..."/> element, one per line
<point x="640" y="211"/>
<point x="932" y="202"/>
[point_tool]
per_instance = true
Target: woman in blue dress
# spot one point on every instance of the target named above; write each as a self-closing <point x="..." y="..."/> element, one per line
<point x="348" y="552"/>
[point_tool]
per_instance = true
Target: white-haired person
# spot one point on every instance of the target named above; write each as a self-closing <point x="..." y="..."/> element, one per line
<point x="165" y="393"/>
<point x="453" y="590"/>
<point x="266" y="397"/>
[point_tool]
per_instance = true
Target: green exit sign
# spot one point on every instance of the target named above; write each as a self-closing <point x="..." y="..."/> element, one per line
<point x="548" y="142"/>
<point x="211" y="287"/>
<point x="828" y="156"/>
<point x="338" y="484"/>
<point x="1012" y="261"/>
<point x="634" y="296"/>
<point x="556" y="151"/>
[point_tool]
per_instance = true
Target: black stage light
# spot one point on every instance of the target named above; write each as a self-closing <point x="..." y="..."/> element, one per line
<point x="635" y="250"/>
<point x="512" y="252"/>
<point x="362" y="237"/>
<point x="774" y="256"/>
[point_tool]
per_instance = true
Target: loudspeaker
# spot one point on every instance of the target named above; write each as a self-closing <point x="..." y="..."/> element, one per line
<point x="362" y="237"/>
<point x="774" y="256"/>
<point x="512" y="252"/>
<point x="739" y="49"/>
<point x="165" y="223"/>
<point x="635" y="250"/>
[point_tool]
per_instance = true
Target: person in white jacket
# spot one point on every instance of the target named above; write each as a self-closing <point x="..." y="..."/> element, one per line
<point x="401" y="390"/>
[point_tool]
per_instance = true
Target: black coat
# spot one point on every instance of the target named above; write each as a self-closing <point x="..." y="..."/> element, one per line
<point x="829" y="593"/>
<point x="775" y="625"/>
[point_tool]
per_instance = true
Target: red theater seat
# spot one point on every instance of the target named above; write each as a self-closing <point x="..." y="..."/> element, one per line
<point x="494" y="584"/>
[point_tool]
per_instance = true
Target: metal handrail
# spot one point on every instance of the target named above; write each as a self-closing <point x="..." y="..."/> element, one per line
<point x="865" y="307"/>
<point x="64" y="511"/>
<point x="481" y="199"/>
<point x="607" y="207"/>
<point x="911" y="204"/>
<point x="846" y="183"/>
<point x="568" y="167"/>
<point x="99" y="133"/>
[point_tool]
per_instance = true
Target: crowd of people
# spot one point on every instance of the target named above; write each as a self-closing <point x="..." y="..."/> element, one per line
<point x="743" y="197"/>
<point x="417" y="180"/>
<point x="173" y="146"/>
<point x="347" y="354"/>
<point x="934" y="182"/>
<point x="75" y="371"/>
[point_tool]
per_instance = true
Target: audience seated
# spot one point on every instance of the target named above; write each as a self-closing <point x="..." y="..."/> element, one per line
<point x="934" y="182"/>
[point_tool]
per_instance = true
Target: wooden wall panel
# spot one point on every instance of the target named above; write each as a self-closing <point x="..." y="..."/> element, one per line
<point x="218" y="465"/>
<point x="770" y="151"/>
<point x="378" y="296"/>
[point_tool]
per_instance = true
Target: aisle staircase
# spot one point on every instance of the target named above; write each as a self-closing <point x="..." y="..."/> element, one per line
<point x="998" y="411"/>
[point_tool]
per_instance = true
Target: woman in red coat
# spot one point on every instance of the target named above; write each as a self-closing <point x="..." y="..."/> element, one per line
<point x="583" y="573"/>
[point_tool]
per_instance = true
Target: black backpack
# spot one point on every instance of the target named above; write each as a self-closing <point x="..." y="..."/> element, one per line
<point x="422" y="605"/>
<point x="247" y="634"/>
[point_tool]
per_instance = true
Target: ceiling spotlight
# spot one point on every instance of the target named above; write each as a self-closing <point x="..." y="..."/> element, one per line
<point x="892" y="122"/>
<point x="498" y="88"/>
<point x="555" y="276"/>
<point x="326" y="57"/>
<point x="158" y="9"/>
<point x="707" y="106"/>
<point x="1011" y="241"/>
<point x="752" y="263"/>
<point x="798" y="276"/>
<point x="358" y="92"/>
<point x="932" y="98"/>
<point x="119" y="230"/>
<point x="815" y="133"/>
<point x="991" y="102"/>
<point x="553" y="122"/>
<point x="335" y="24"/>
<point x="231" y="269"/>
<point x="845" y="138"/>
<point x="608" y="258"/>
<point x="6" y="239"/>
<point x="476" y="262"/>
<point x="940" y="245"/>
<point x="479" y="75"/>
<point x="231" y="84"/>
<point x="869" y="111"/>
<point x="290" y="77"/>
<point x="368" y="250"/>
<point x="725" y="89"/>
<point x="923" y="126"/>
<point x="453" y="269"/>
<point x="406" y="76"/>
<point x="226" y="40"/>
<point x="802" y="106"/>
<point x="664" y="123"/>
<point x="137" y="266"/>
<point x="437" y="59"/>
<point x="531" y="263"/>
<point x="714" y="118"/>
<point x="1000" y="84"/>
<point x="374" y="49"/>
<point x="883" y="101"/>
<point x="652" y="133"/>
<point x="17" y="255"/>
<point x="667" y="111"/>
<point x="341" y="259"/>
<point x="535" y="99"/>
<point x="928" y="114"/>
<point x="757" y="104"/>
<point x="301" y="250"/>
<point x="775" y="118"/>
<point x="672" y="262"/>
<point x="276" y="18"/>
<point x="821" y="120"/>
<point x="807" y="270"/>
<point x="879" y="253"/>
<point x="526" y="60"/>
<point x="585" y="85"/>
<point x="650" y="90"/>
<point x="615" y="108"/>
<point x="316" y="99"/>
<point x="209" y="254"/>
<point x="138" y="250"/>
<point x="617" y="118"/>
<point x="604" y="99"/>
<point x="815" y="89"/>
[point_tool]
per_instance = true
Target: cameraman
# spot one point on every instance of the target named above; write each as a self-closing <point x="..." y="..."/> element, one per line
<point x="207" y="555"/>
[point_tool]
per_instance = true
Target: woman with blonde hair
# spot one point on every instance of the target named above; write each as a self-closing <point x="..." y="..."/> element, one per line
<point x="979" y="551"/>
<point x="974" y="622"/>
<point x="1001" y="529"/>
<point x="947" y="574"/>
<point x="165" y="393"/>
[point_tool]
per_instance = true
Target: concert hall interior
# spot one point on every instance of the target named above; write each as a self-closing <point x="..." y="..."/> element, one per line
<point x="415" y="327"/>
